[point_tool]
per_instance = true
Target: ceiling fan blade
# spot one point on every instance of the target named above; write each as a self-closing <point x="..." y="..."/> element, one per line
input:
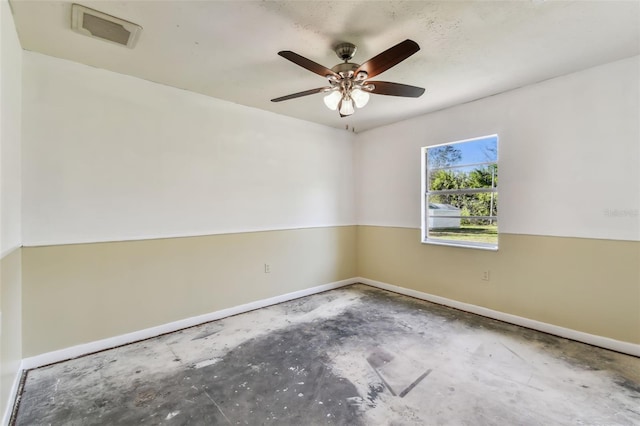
<point x="300" y="94"/>
<point x="307" y="63"/>
<point x="390" y="57"/>
<point x="396" y="89"/>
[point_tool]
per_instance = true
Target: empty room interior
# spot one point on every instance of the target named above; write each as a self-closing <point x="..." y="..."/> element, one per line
<point x="353" y="213"/>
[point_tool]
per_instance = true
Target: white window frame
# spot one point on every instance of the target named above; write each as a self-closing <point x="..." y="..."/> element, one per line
<point x="425" y="197"/>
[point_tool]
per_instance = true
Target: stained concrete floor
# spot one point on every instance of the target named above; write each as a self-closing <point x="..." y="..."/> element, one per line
<point x="352" y="356"/>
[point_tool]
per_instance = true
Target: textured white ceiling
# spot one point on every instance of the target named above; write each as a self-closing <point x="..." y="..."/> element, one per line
<point x="228" y="49"/>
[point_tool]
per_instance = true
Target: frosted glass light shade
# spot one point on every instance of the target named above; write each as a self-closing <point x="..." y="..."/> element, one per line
<point x="360" y="97"/>
<point x="332" y="100"/>
<point x="346" y="107"/>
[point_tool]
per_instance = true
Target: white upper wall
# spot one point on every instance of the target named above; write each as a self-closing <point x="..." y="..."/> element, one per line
<point x="569" y="156"/>
<point x="10" y="107"/>
<point x="111" y="157"/>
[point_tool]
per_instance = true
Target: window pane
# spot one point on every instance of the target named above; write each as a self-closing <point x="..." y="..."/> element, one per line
<point x="481" y="204"/>
<point x="467" y="152"/>
<point x="472" y="230"/>
<point x="446" y="179"/>
<point x="484" y="176"/>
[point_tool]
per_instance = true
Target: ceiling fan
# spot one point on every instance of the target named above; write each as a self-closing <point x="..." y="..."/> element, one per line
<point x="349" y="84"/>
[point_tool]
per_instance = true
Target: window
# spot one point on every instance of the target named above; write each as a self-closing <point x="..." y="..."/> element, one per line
<point x="460" y="193"/>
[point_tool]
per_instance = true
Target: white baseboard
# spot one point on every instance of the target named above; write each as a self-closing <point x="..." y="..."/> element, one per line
<point x="591" y="339"/>
<point x="13" y="394"/>
<point x="112" y="342"/>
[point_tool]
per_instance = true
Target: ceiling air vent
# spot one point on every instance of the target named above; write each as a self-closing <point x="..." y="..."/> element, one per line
<point x="104" y="27"/>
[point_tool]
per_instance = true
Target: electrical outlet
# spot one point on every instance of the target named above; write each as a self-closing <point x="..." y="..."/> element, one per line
<point x="486" y="275"/>
<point x="267" y="268"/>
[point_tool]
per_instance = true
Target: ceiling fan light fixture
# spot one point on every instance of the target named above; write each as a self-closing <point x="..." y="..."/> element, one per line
<point x="349" y="87"/>
<point x="346" y="107"/>
<point x="360" y="97"/>
<point x="361" y="76"/>
<point x="332" y="100"/>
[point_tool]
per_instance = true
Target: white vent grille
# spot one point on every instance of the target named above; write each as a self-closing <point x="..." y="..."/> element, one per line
<point x="99" y="25"/>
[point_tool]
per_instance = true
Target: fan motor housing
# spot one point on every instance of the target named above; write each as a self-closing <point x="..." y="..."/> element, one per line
<point x="345" y="67"/>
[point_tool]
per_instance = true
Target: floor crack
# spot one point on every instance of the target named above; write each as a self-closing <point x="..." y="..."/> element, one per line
<point x="217" y="406"/>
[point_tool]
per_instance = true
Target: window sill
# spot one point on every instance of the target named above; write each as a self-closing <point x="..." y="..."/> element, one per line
<point x="463" y="244"/>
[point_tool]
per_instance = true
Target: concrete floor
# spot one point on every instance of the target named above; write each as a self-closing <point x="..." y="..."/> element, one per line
<point x="352" y="356"/>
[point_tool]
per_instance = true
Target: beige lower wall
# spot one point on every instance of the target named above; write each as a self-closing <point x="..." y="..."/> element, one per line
<point x="74" y="294"/>
<point x="10" y="324"/>
<point x="587" y="285"/>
